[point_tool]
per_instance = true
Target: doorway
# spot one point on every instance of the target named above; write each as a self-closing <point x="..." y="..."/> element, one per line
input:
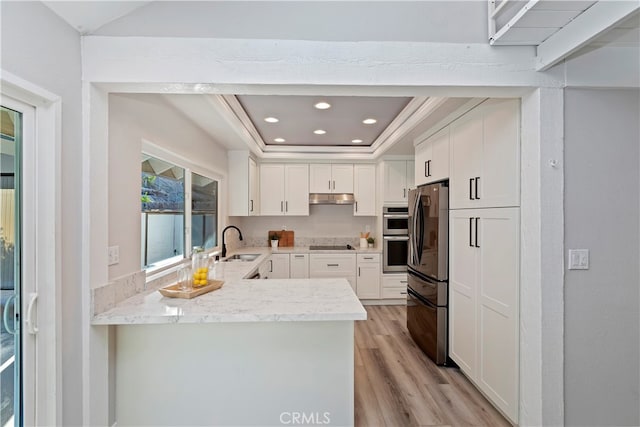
<point x="18" y="333"/>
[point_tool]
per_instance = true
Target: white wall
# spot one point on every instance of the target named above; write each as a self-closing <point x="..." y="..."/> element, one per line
<point x="602" y="188"/>
<point x="133" y="118"/>
<point x="41" y="48"/>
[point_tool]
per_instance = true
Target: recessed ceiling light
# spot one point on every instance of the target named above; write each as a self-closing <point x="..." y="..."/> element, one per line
<point x="271" y="120"/>
<point x="369" y="121"/>
<point x="322" y="105"/>
<point x="319" y="131"/>
<point x="279" y="140"/>
<point x="356" y="141"/>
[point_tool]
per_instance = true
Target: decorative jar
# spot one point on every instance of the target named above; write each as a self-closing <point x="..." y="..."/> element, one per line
<point x="199" y="267"/>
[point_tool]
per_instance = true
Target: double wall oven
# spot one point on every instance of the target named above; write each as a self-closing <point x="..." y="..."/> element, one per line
<point x="395" y="238"/>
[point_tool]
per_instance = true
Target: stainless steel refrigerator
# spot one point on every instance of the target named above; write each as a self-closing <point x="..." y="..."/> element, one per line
<point x="427" y="269"/>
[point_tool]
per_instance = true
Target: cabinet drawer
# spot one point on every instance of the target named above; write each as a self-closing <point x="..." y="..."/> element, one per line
<point x="368" y="258"/>
<point x="332" y="263"/>
<point x="395" y="293"/>
<point x="394" y="281"/>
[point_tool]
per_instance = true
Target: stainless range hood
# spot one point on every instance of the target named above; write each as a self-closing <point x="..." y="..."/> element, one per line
<point x="331" y="199"/>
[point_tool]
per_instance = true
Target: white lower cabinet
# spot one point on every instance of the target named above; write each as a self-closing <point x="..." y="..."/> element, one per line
<point x="299" y="266"/>
<point x="484" y="299"/>
<point x="276" y="267"/>
<point x="394" y="286"/>
<point x="333" y="265"/>
<point x="368" y="278"/>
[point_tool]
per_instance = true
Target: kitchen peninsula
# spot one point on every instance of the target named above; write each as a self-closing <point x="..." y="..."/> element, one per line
<point x="250" y="353"/>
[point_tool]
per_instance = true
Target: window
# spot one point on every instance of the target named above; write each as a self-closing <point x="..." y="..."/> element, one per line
<point x="162" y="211"/>
<point x="169" y="224"/>
<point x="204" y="211"/>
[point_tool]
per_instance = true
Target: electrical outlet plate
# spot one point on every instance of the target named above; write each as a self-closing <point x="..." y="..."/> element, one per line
<point x="114" y="255"/>
<point x="578" y="259"/>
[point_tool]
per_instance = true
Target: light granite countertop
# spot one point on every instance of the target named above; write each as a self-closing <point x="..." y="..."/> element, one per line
<point x="244" y="300"/>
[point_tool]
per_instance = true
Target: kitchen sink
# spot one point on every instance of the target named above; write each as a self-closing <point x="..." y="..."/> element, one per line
<point x="242" y="257"/>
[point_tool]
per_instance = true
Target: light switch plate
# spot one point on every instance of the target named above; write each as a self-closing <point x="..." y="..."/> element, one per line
<point x="578" y="259"/>
<point x="114" y="255"/>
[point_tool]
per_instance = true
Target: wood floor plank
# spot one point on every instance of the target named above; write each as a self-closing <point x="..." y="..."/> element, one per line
<point x="421" y="403"/>
<point x="398" y="385"/>
<point x="393" y="405"/>
<point x="367" y="410"/>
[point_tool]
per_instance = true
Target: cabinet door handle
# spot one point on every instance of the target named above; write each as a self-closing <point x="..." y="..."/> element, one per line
<point x="334" y="185"/>
<point x="367" y="257"/>
<point x="356" y="206"/>
<point x="281" y="206"/>
<point x="358" y="271"/>
<point x="477" y="180"/>
<point x="477" y="220"/>
<point x="404" y="193"/>
<point x="429" y="167"/>
<point x="403" y="281"/>
<point x="271" y="266"/>
<point x="329" y="184"/>
<point x="403" y="293"/>
<point x="251" y="210"/>
<point x="470" y="232"/>
<point x="426" y="173"/>
<point x="470" y="188"/>
<point x="286" y="206"/>
<point x="332" y="265"/>
<point x="298" y="256"/>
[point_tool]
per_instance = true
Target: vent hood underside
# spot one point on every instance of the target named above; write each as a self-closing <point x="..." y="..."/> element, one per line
<point x="331" y="199"/>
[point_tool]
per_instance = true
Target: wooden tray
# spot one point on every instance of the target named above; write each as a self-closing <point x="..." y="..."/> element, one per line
<point x="174" y="291"/>
<point x="286" y="238"/>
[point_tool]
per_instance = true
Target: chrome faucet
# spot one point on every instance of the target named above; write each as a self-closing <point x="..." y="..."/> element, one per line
<point x="224" y="247"/>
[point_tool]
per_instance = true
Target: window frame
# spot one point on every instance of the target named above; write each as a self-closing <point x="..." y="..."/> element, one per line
<point x="151" y="149"/>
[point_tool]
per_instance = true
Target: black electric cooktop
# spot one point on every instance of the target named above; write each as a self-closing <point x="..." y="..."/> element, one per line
<point x="331" y="248"/>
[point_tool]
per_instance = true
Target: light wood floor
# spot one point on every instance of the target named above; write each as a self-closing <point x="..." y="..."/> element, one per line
<point x="396" y="384"/>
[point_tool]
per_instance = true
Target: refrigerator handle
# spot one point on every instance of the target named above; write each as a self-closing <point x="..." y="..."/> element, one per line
<point x="476" y="244"/>
<point x="421" y="233"/>
<point x="414" y="248"/>
<point x="476" y="195"/>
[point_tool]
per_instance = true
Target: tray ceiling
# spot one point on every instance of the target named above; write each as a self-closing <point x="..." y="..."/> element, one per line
<point x="342" y="122"/>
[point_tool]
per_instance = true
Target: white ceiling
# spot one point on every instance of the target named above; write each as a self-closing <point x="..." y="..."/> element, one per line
<point x="541" y="20"/>
<point x="88" y="16"/>
<point x="397" y="21"/>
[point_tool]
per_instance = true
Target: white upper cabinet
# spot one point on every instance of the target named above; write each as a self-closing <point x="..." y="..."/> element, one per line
<point x="284" y="189"/>
<point x="364" y="190"/>
<point x="485" y="156"/>
<point x="296" y="186"/>
<point x="330" y="178"/>
<point x="432" y="158"/>
<point x="243" y="185"/>
<point x="398" y="180"/>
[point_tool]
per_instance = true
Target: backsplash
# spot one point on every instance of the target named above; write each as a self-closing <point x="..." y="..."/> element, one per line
<point x="299" y="241"/>
<point x="325" y="225"/>
<point x="106" y="297"/>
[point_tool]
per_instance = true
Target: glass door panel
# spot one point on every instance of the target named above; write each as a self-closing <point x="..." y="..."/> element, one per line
<point x="10" y="239"/>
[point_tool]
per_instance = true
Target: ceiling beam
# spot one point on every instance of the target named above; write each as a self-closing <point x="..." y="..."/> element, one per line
<point x="590" y="24"/>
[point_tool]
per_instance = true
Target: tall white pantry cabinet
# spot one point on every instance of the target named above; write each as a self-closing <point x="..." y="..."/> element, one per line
<point x="484" y="250"/>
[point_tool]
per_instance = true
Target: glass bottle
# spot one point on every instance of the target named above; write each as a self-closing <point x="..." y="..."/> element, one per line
<point x="199" y="267"/>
